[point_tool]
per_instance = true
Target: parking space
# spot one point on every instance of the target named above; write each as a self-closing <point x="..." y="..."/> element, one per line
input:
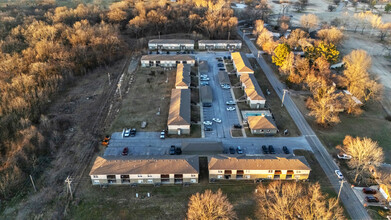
<point x="362" y="196"/>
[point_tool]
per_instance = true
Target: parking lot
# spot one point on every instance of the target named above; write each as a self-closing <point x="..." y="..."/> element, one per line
<point x="361" y="196"/>
<point x="220" y="97"/>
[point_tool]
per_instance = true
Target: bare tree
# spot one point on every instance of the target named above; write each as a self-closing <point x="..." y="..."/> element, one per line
<point x="295" y="36"/>
<point x="258" y="27"/>
<point x="331" y="35"/>
<point x="209" y="205"/>
<point x="357" y="79"/>
<point x="289" y="200"/>
<point x="309" y="21"/>
<point x="364" y="152"/>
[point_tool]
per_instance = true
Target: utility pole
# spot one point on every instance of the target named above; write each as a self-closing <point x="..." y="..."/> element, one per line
<point x="69" y="188"/>
<point x="32" y="181"/>
<point x="108" y="75"/>
<point x="283" y="97"/>
<point x="340" y="189"/>
<point x="119" y="90"/>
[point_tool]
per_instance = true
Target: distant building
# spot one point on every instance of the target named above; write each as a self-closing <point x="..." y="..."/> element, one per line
<point x="258" y="167"/>
<point x="219" y="44"/>
<point x="171" y="44"/>
<point x="254" y="95"/>
<point x="262" y="125"/>
<point x="166" y="60"/>
<point x="241" y="63"/>
<point x="182" y="76"/>
<point x="206" y="96"/>
<point x="165" y="169"/>
<point x="179" y="113"/>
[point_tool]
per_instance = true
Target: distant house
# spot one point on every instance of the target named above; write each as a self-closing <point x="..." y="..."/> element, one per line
<point x="241" y="63"/>
<point x="262" y="125"/>
<point x="254" y="95"/>
<point x="223" y="78"/>
<point x="206" y="96"/>
<point x="382" y="174"/>
<point x="203" y="67"/>
<point x="202" y="148"/>
<point x="166" y="169"/>
<point x="258" y="167"/>
<point x="219" y="44"/>
<point x="179" y="113"/>
<point x="182" y="76"/>
<point x="171" y="44"/>
<point x="157" y="60"/>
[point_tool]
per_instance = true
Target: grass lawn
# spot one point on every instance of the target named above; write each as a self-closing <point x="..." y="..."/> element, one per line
<point x="150" y="91"/>
<point x="371" y="123"/>
<point x="166" y="202"/>
<point x="229" y="67"/>
<point x="236" y="133"/>
<point x="378" y="212"/>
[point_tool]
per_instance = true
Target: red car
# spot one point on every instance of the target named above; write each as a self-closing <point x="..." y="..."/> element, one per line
<point x="368" y="190"/>
<point x="125" y="151"/>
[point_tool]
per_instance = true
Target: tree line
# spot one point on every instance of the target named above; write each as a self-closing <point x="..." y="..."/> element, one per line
<point x="305" y="62"/>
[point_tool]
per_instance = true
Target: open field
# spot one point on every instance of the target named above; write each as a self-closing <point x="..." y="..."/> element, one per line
<point x="371" y="123"/>
<point x="150" y="91"/>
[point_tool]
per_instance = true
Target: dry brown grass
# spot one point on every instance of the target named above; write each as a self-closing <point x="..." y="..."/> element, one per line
<point x="147" y="94"/>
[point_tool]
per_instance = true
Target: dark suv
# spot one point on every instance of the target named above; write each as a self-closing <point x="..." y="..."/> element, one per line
<point x="285" y="149"/>
<point x="264" y="149"/>
<point x="172" y="150"/>
<point x="271" y="149"/>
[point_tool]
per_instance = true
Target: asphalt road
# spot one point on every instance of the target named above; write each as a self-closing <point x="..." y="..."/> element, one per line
<point x="352" y="204"/>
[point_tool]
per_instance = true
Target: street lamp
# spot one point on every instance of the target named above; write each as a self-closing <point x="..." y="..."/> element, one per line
<point x="283" y="97"/>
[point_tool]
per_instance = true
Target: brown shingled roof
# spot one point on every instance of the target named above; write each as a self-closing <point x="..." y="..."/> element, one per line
<point x="261" y="122"/>
<point x="145" y="165"/>
<point x="252" y="89"/>
<point x="183" y="75"/>
<point x="179" y="113"/>
<point x="242" y="63"/>
<point x="221" y="162"/>
<point x="171" y="41"/>
<point x="160" y="57"/>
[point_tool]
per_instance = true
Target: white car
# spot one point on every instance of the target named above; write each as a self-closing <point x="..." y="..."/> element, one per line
<point x="163" y="134"/>
<point x="344" y="156"/>
<point x="225" y="86"/>
<point x="203" y="75"/>
<point x="207" y="123"/>
<point x="204" y="79"/>
<point x="339" y="174"/>
<point x="231" y="109"/>
<point x="126" y="132"/>
<point x="230" y="102"/>
<point x="218" y="120"/>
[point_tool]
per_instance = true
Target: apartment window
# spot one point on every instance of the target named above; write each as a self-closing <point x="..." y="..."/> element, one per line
<point x="219" y="176"/>
<point x="193" y="175"/>
<point x="193" y="180"/>
<point x="298" y="171"/>
<point x="150" y="181"/>
<point x="140" y="181"/>
<point x="269" y="176"/>
<point x="149" y="175"/>
<point x="96" y="181"/>
<point x="220" y="171"/>
<point x="139" y="175"/>
<point x="270" y="171"/>
<point x="247" y="176"/>
<point x="268" y="131"/>
<point x="95" y="176"/>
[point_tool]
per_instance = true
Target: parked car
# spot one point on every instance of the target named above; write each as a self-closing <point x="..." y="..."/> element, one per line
<point x="368" y="190"/>
<point x="232" y="150"/>
<point x="230" y="102"/>
<point x="218" y="120"/>
<point x="229" y="57"/>
<point x="126" y="132"/>
<point x="208" y="128"/>
<point x="339" y="174"/>
<point x="222" y="69"/>
<point x="163" y="134"/>
<point x="371" y="199"/>
<point x="204" y="83"/>
<point x="207" y="123"/>
<point x="239" y="150"/>
<point x="203" y="75"/>
<point x="204" y="79"/>
<point x="285" y="149"/>
<point x="343" y="156"/>
<point x="225" y="57"/>
<point x="226" y="86"/>
<point x="133" y="132"/>
<point x="220" y="65"/>
<point x="237" y="126"/>
<point x="178" y="151"/>
<point x="172" y="150"/>
<point x="231" y="109"/>
<point x="264" y="149"/>
<point x="125" y="151"/>
<point x="271" y="149"/>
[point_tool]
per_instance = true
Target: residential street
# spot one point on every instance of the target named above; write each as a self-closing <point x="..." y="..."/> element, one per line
<point x="352" y="204"/>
